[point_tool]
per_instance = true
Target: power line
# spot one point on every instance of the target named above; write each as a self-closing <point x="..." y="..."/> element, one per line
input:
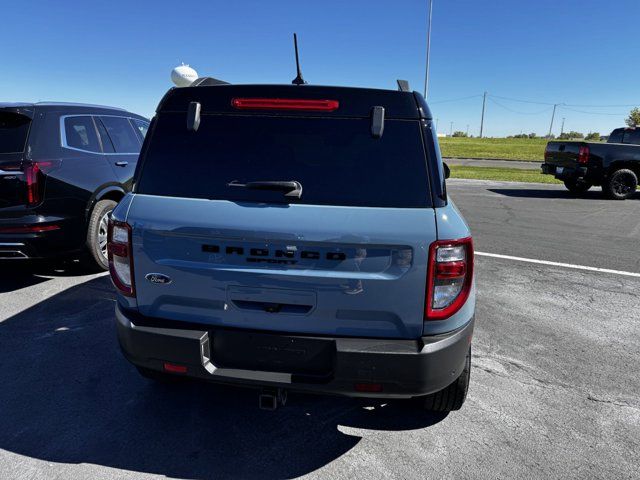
<point x="550" y="104"/>
<point x="517" y="111"/>
<point x="522" y="101"/>
<point x="594" y="113"/>
<point x="455" y="99"/>
<point x="605" y="106"/>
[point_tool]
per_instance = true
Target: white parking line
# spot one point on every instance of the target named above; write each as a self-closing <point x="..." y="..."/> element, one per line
<point x="558" y="264"/>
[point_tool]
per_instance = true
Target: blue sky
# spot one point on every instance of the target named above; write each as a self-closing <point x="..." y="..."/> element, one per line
<point x="121" y="53"/>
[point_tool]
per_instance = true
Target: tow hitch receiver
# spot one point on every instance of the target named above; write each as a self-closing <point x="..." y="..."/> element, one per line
<point x="272" y="398"/>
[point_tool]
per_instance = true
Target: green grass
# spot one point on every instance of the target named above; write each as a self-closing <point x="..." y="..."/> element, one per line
<point x="501" y="148"/>
<point x="503" y="174"/>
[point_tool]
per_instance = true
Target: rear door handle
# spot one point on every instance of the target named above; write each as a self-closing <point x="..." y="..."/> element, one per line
<point x="122" y="164"/>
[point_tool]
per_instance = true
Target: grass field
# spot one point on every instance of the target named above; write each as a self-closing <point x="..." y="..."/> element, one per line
<point x="502" y="148"/>
<point x="504" y="174"/>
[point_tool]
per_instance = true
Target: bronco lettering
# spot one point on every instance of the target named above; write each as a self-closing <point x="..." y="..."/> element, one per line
<point x="282" y="256"/>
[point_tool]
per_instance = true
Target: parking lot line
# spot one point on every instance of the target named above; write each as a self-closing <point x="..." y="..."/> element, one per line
<point x="559" y="264"/>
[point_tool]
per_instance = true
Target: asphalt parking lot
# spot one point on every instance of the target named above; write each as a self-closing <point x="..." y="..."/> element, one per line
<point x="554" y="389"/>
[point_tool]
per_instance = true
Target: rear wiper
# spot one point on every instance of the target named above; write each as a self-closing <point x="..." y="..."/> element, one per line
<point x="292" y="188"/>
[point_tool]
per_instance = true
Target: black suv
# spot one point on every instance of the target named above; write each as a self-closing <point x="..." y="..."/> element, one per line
<point x="63" y="168"/>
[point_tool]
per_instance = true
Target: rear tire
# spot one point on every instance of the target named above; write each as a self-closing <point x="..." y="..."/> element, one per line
<point x="621" y="184"/>
<point x="577" y="187"/>
<point x="97" y="233"/>
<point x="452" y="397"/>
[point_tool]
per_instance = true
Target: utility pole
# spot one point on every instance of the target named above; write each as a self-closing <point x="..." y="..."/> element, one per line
<point x="437" y="120"/>
<point x="484" y="102"/>
<point x="467" y="129"/>
<point x="553" y="115"/>
<point x="426" y="74"/>
<point x="451" y="130"/>
<point x="562" y="127"/>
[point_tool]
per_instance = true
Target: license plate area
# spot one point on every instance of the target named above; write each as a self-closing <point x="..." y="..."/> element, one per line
<point x="559" y="170"/>
<point x="273" y="353"/>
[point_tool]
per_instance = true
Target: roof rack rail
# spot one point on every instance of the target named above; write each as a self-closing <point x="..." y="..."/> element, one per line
<point x="207" y="82"/>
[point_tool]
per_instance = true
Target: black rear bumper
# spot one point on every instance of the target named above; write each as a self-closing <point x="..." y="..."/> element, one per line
<point x="567" y="173"/>
<point x="18" y="243"/>
<point x="387" y="368"/>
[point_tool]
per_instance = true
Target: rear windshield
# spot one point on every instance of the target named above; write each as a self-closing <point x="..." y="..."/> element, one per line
<point x="336" y="160"/>
<point x="14" y="129"/>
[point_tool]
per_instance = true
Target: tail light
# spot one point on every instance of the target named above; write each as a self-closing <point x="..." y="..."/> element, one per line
<point x="120" y="257"/>
<point x="285" y="104"/>
<point x="547" y="155"/>
<point x="30" y="229"/>
<point x="583" y="154"/>
<point x="33" y="175"/>
<point x="449" y="278"/>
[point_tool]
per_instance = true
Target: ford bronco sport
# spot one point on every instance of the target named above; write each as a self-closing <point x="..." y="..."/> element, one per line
<point x="295" y="238"/>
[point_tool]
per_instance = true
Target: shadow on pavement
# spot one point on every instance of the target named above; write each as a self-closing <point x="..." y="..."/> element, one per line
<point x="540" y="193"/>
<point x="69" y="396"/>
<point x="17" y="274"/>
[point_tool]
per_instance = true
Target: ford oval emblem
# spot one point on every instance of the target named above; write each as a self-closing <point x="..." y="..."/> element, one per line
<point x="158" y="278"/>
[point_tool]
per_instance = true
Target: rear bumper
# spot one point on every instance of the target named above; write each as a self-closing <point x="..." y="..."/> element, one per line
<point x="392" y="368"/>
<point x="18" y="243"/>
<point x="567" y="173"/>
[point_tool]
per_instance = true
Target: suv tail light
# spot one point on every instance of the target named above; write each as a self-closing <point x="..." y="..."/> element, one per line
<point x="449" y="277"/>
<point x="583" y="154"/>
<point x="33" y="176"/>
<point x="120" y="257"/>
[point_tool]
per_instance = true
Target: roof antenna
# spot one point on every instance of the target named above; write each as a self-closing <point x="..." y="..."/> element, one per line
<point x="298" y="80"/>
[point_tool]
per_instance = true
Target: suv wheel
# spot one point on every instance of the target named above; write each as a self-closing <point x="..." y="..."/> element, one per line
<point x="577" y="186"/>
<point x="97" y="233"/>
<point x="621" y="184"/>
<point x="452" y="397"/>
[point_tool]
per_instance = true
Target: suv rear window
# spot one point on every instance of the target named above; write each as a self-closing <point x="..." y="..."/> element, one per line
<point x="14" y="129"/>
<point x="336" y="160"/>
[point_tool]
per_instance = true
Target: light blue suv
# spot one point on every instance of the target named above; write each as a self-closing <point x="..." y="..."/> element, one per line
<point x="295" y="238"/>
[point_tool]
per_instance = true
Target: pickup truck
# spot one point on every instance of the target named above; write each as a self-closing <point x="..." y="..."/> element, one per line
<point x="614" y="165"/>
<point x="295" y="238"/>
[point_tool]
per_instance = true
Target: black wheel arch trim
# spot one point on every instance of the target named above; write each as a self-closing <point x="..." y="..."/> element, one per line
<point x="109" y="192"/>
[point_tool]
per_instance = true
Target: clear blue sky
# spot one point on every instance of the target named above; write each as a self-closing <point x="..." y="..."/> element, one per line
<point x="121" y="52"/>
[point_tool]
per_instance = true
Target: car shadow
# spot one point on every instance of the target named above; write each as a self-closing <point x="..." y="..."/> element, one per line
<point x="17" y="274"/>
<point x="69" y="396"/>
<point x="550" y="194"/>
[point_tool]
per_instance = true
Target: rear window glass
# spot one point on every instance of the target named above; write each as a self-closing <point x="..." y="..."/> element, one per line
<point x="14" y="129"/>
<point x="336" y="160"/>
<point x="80" y="133"/>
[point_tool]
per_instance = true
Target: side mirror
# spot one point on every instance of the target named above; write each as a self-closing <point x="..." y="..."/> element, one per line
<point x="447" y="170"/>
